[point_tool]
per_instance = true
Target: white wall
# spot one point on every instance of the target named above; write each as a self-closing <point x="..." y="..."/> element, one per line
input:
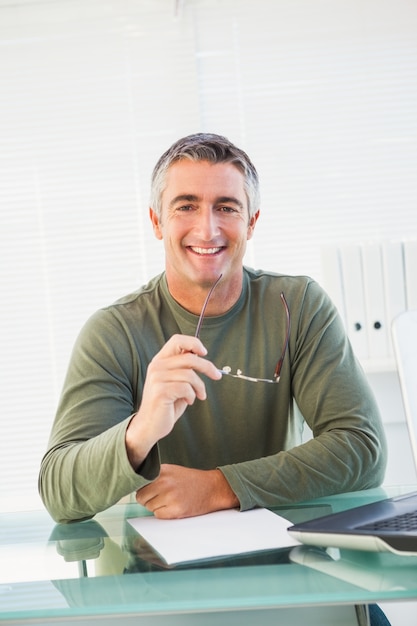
<point x="321" y="93"/>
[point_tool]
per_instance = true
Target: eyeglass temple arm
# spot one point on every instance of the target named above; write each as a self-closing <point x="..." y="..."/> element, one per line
<point x="287" y="337"/>
<point x="203" y="310"/>
<point x="287" y="334"/>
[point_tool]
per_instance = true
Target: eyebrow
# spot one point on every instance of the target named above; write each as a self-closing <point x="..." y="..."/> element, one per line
<point x="192" y="198"/>
<point x="229" y="200"/>
<point x="183" y="198"/>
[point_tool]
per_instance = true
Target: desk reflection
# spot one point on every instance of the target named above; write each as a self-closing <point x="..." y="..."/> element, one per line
<point x="372" y="571"/>
<point x="115" y="570"/>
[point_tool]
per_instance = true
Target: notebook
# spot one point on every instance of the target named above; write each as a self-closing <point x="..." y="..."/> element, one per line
<point x="390" y="524"/>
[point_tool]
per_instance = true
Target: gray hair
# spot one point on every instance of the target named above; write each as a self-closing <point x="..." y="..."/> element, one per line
<point x="205" y="147"/>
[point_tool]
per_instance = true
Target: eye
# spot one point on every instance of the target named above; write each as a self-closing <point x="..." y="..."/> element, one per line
<point x="227" y="209"/>
<point x="184" y="208"/>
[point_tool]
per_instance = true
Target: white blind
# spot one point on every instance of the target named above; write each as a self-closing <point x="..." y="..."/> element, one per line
<point x="321" y="93"/>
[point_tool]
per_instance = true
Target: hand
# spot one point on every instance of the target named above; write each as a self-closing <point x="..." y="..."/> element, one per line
<point x="172" y="383"/>
<point x="183" y="492"/>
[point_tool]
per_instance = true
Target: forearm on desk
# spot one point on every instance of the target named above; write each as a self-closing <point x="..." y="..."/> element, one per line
<point x="79" y="479"/>
<point x="330" y="464"/>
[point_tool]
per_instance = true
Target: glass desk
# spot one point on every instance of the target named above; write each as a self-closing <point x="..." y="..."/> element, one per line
<point x="97" y="572"/>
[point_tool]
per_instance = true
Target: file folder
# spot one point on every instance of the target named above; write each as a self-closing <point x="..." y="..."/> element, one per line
<point x="394" y="280"/>
<point x="332" y="277"/>
<point x="374" y="289"/>
<point x="354" y="298"/>
<point x="410" y="264"/>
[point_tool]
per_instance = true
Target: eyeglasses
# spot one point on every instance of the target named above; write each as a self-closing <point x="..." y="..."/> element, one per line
<point x="226" y="370"/>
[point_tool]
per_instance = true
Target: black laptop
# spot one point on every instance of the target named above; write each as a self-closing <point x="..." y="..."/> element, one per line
<point x="390" y="524"/>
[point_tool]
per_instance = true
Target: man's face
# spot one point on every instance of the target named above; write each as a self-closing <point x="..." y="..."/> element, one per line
<point x="204" y="223"/>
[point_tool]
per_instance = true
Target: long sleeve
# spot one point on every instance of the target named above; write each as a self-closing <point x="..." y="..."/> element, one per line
<point x="251" y="431"/>
<point x="348" y="450"/>
<point x="86" y="468"/>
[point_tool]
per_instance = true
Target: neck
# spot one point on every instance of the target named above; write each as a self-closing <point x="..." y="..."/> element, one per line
<point x="193" y="297"/>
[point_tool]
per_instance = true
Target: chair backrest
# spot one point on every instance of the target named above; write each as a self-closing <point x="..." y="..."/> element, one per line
<point x="404" y="335"/>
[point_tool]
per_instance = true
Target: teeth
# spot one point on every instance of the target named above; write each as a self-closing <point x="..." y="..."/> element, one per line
<point x="206" y="250"/>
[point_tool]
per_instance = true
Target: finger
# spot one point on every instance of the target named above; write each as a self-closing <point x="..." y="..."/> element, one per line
<point x="184" y="362"/>
<point x="183" y="391"/>
<point x="148" y="499"/>
<point x="179" y="344"/>
<point x="145" y="494"/>
<point x="164" y="375"/>
<point x="193" y="362"/>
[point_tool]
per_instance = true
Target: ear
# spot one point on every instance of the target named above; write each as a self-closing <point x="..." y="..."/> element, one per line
<point x="252" y="223"/>
<point x="156" y="224"/>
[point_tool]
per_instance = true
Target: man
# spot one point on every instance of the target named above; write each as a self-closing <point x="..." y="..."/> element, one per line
<point x="149" y="405"/>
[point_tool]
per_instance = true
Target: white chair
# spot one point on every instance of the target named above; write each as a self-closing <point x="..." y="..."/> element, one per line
<point x="404" y="335"/>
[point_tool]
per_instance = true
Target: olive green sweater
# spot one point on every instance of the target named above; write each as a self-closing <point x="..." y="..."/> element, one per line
<point x="251" y="431"/>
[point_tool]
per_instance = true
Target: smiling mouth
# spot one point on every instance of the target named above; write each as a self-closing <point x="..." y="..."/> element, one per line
<point x="205" y="251"/>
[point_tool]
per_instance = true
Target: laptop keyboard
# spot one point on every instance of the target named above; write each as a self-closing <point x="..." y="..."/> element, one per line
<point x="406" y="522"/>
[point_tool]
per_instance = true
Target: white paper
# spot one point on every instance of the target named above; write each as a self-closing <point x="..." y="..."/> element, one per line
<point x="223" y="533"/>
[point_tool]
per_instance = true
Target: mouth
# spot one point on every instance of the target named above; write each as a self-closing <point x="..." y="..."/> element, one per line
<point x="206" y="251"/>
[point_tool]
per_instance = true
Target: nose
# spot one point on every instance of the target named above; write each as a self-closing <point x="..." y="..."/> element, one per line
<point x="207" y="224"/>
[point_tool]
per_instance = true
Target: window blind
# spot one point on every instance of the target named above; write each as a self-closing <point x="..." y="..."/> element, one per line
<point x="322" y="95"/>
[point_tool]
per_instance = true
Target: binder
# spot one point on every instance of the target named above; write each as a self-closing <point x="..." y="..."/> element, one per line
<point x="353" y="287"/>
<point x="374" y="288"/>
<point x="332" y="277"/>
<point x="394" y="280"/>
<point x="410" y="265"/>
